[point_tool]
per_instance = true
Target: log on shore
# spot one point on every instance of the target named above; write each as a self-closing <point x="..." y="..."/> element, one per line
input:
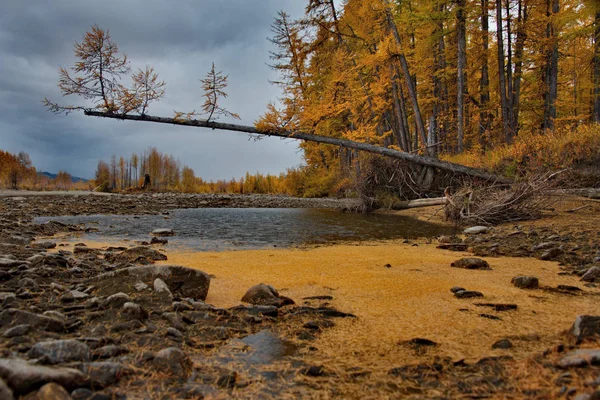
<point x="400" y="155"/>
<point x="405" y="205"/>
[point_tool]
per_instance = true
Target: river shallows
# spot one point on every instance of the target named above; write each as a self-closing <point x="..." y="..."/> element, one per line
<point x="213" y="229"/>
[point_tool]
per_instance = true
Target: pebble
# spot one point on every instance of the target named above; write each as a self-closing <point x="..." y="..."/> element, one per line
<point x="172" y="360"/>
<point x="52" y="391"/>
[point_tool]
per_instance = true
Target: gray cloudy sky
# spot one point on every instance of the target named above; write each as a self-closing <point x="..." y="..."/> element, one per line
<point x="180" y="39"/>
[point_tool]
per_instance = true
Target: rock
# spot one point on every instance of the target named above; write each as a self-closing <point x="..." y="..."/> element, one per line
<point x="161" y="287"/>
<point x="163" y="232"/>
<point x="467" y="294"/>
<point x="60" y="351"/>
<point x="543" y="246"/>
<point x="586" y="326"/>
<point x="457" y="289"/>
<point x="43" y="245"/>
<point x="183" y="282"/>
<point x="12" y="316"/>
<point x="525" y="282"/>
<point x="116" y="300"/>
<point x="134" y="311"/>
<point x="104" y="373"/>
<point x="313" y="371"/>
<point x="24" y="377"/>
<point x="138" y="254"/>
<point x="475" y="230"/>
<point x="551" y="254"/>
<point x="471" y="263"/>
<point x="73" y="295"/>
<point x="592" y="275"/>
<point x="6" y="263"/>
<point x="82" y="394"/>
<point x="174" y="333"/>
<point x="109" y="351"/>
<point x="266" y="295"/>
<point x="172" y="360"/>
<point x="52" y="391"/>
<point x="156" y="240"/>
<point x="127" y="326"/>
<point x="79" y="249"/>
<point x="55" y="314"/>
<point x="580" y="358"/>
<point x="18" y="330"/>
<point x="502" y="344"/>
<point x="141" y="286"/>
<point x="175" y="320"/>
<point x="5" y="392"/>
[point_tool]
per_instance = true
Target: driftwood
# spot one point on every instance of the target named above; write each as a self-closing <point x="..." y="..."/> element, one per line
<point x="435" y="201"/>
<point x="413" y="158"/>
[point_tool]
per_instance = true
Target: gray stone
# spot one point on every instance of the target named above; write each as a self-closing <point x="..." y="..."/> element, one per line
<point x="526" y="282"/>
<point x="138" y="254"/>
<point x="592" y="275"/>
<point x="43" y="245"/>
<point x="18" y="330"/>
<point x="455" y="289"/>
<point x="182" y="281"/>
<point x="12" y="317"/>
<point x="580" y="358"/>
<point x="104" y="373"/>
<point x="265" y="295"/>
<point x="5" y="392"/>
<point x="175" y="320"/>
<point x="60" y="351"/>
<point x="502" y="344"/>
<point x="471" y="263"/>
<point x="141" y="286"/>
<point x="109" y="351"/>
<point x="586" y="326"/>
<point x="161" y="287"/>
<point x="24" y="377"/>
<point x="82" y="394"/>
<point x="163" y="232"/>
<point x="551" y="254"/>
<point x="467" y="294"/>
<point x="52" y="391"/>
<point x="172" y="360"/>
<point x="134" y="311"/>
<point x="174" y="333"/>
<point x="475" y="230"/>
<point x="116" y="300"/>
<point x="55" y="314"/>
<point x="543" y="246"/>
<point x="10" y="263"/>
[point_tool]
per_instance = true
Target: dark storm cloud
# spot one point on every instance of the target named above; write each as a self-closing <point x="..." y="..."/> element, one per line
<point x="180" y="39"/>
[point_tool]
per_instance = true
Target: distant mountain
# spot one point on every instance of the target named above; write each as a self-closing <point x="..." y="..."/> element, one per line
<point x="50" y="175"/>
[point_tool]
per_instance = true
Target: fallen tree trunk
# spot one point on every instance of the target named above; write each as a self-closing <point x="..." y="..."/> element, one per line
<point x="413" y="158"/>
<point x="404" y="205"/>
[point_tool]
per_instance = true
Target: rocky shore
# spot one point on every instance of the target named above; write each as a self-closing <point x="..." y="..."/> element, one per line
<point x="108" y="323"/>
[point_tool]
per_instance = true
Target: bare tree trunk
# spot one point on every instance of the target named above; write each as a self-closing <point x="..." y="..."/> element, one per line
<point x="412" y="158"/>
<point x="551" y="70"/>
<point x="484" y="83"/>
<point x="462" y="63"/>
<point x="516" y="87"/>
<point x="597" y="65"/>
<point x="502" y="73"/>
<point x="407" y="77"/>
<point x="402" y="135"/>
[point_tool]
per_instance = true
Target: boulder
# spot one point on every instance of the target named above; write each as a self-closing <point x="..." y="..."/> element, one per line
<point x="471" y="263"/>
<point x="182" y="281"/>
<point x="24" y="377"/>
<point x="592" y="275"/>
<point x="467" y="294"/>
<point x="265" y="295"/>
<point x="580" y="358"/>
<point x="525" y="282"/>
<point x="586" y="326"/>
<point x="60" y="351"/>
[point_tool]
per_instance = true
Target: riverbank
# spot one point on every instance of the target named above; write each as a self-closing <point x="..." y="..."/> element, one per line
<point x="371" y="320"/>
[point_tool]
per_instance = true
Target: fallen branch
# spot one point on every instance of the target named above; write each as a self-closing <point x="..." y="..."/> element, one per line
<point x="404" y="205"/>
<point x="413" y="158"/>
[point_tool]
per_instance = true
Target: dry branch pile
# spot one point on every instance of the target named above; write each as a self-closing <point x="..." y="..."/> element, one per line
<point x="496" y="204"/>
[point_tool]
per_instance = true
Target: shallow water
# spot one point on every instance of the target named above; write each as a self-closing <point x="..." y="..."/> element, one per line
<point x="213" y="229"/>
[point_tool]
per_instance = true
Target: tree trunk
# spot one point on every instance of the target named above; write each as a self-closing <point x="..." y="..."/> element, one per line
<point x="461" y="37"/>
<point x="502" y="73"/>
<point x="407" y="77"/>
<point x="520" y="44"/>
<point x="551" y="72"/>
<point x="597" y="65"/>
<point x="402" y="135"/>
<point x="484" y="83"/>
<point x="412" y="158"/>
